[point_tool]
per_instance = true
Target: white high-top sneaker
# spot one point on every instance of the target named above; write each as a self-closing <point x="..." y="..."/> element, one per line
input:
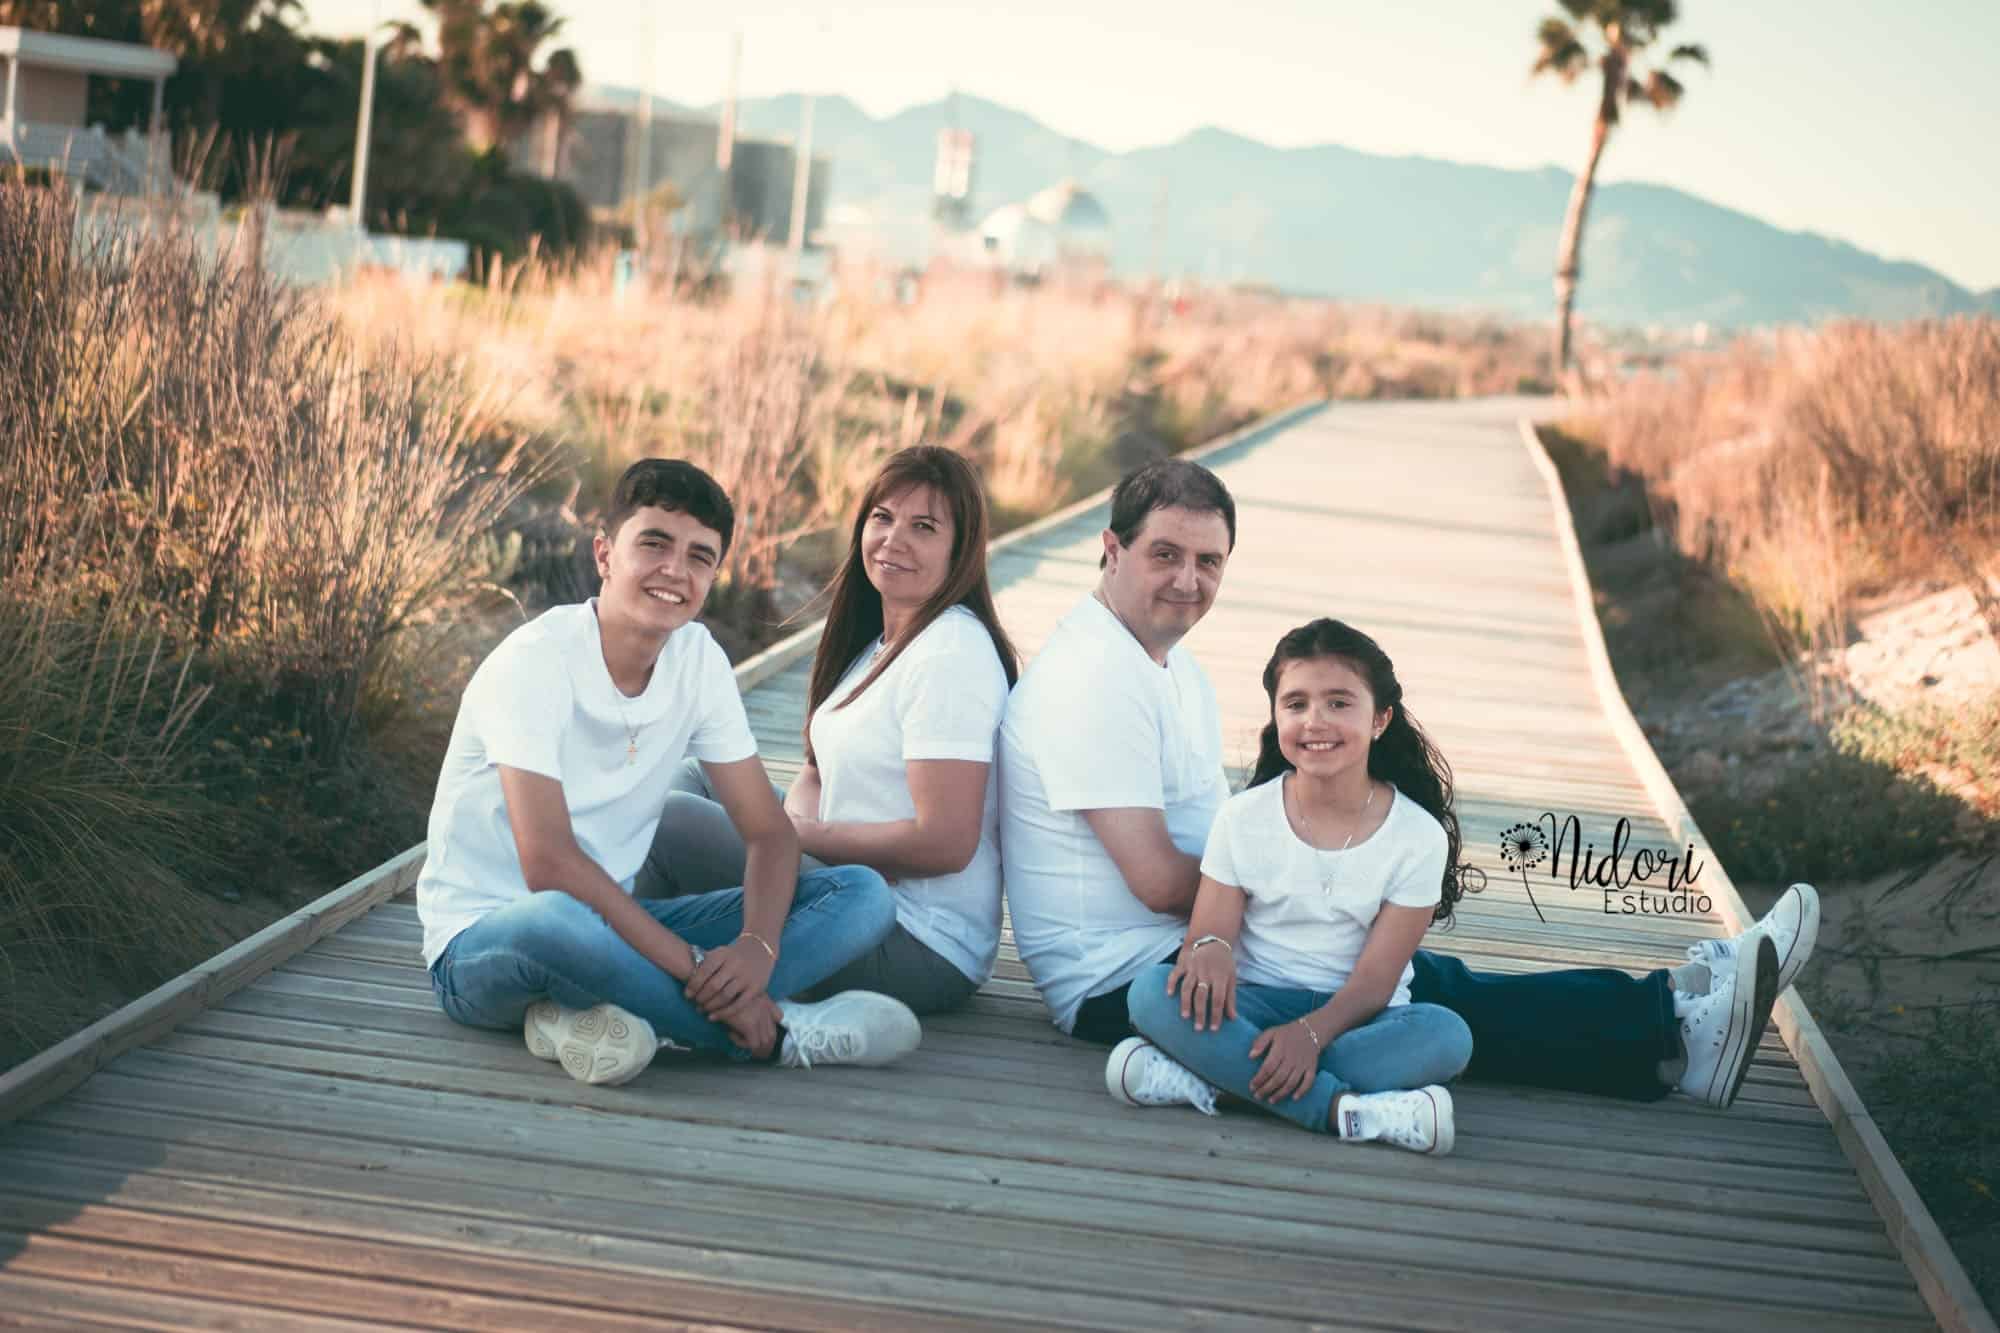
<point x="1792" y="926"/>
<point x="603" y="1044"/>
<point x="1419" y="1120"/>
<point x="1720" y="1031"/>
<point x="1141" y="1074"/>
<point x="855" y="1027"/>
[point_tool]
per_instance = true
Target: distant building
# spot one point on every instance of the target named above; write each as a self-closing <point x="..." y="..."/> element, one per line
<point x="597" y="149"/>
<point x="44" y="100"/>
<point x="1061" y="230"/>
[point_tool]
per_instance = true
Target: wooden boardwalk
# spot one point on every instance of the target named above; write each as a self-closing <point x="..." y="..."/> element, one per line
<point x="322" y="1148"/>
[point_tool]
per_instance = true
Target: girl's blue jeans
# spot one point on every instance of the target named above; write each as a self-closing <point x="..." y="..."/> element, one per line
<point x="550" y="945"/>
<point x="1406" y="1046"/>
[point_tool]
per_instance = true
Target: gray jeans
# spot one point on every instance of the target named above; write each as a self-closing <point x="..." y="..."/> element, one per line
<point x="696" y="849"/>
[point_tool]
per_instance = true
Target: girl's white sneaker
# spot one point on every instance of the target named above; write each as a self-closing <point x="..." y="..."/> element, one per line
<point x="1419" y="1120"/>
<point x="1141" y="1074"/>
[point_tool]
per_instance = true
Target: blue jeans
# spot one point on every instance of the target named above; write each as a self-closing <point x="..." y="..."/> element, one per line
<point x="1406" y="1046"/>
<point x="550" y="945"/>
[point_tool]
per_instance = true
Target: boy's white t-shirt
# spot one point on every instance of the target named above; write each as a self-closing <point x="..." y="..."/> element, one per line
<point x="1295" y="933"/>
<point x="543" y="702"/>
<point x="1096" y="724"/>
<point x="940" y="699"/>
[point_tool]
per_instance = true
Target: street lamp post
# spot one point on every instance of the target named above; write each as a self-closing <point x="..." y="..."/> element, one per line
<point x="358" y="201"/>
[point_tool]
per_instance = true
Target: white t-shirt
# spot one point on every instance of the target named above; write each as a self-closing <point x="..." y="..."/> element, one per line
<point x="940" y="699"/>
<point x="1297" y="933"/>
<point x="543" y="701"/>
<point x="1096" y="724"/>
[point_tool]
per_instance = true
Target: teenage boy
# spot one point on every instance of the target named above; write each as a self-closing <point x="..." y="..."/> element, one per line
<point x="1111" y="775"/>
<point x="557" y="771"/>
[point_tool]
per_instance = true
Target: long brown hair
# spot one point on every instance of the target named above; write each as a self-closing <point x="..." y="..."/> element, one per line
<point x="854" y="609"/>
<point x="1403" y="754"/>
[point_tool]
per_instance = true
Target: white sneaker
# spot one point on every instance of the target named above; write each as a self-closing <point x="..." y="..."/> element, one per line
<point x="1141" y="1074"/>
<point x="604" y="1044"/>
<point x="855" y="1027"/>
<point x="1721" y="1030"/>
<point x="1419" y="1120"/>
<point x="1792" y="926"/>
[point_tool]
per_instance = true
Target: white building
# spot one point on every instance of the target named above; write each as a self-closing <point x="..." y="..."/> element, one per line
<point x="44" y="101"/>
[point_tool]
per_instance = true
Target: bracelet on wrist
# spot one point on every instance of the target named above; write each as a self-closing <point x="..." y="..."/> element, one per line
<point x="1213" y="939"/>
<point x="753" y="935"/>
<point x="1310" y="1033"/>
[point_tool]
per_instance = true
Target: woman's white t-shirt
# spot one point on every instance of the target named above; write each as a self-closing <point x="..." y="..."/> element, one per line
<point x="1297" y="933"/>
<point x="543" y="702"/>
<point x="940" y="699"/>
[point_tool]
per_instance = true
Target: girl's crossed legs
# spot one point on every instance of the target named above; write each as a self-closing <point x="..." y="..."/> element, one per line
<point x="1404" y="1046"/>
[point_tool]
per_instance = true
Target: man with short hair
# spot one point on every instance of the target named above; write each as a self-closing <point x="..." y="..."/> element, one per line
<point x="552" y="786"/>
<point x="1111" y="775"/>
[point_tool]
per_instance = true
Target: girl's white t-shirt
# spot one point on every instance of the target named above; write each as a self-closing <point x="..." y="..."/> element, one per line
<point x="1297" y="933"/>
<point x="940" y="699"/>
<point x="543" y="702"/>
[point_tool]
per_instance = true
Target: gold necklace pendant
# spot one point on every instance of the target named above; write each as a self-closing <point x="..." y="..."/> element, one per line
<point x="631" y="751"/>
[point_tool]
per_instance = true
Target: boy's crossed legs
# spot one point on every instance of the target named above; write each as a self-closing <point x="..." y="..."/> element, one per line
<point x="549" y="946"/>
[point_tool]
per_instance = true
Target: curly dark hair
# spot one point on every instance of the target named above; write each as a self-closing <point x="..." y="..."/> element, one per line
<point x="1403" y="755"/>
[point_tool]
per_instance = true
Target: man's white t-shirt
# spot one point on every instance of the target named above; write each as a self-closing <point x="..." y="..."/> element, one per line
<point x="1296" y="931"/>
<point x="543" y="702"/>
<point x="1096" y="724"/>
<point x="940" y="699"/>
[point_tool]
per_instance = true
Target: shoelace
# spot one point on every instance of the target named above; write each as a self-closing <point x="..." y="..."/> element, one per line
<point x="1403" y="1123"/>
<point x="1168" y="1081"/>
<point x="827" y="1043"/>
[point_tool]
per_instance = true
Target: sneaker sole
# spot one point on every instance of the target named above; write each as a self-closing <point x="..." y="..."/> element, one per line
<point x="1803" y="940"/>
<point x="1446" y="1122"/>
<point x="1117" y="1066"/>
<point x="1764" y="997"/>
<point x="1742" y="1004"/>
<point x="607" y="1046"/>
<point x="542" y="1018"/>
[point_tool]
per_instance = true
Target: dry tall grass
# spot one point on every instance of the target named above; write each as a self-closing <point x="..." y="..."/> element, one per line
<point x="1051" y="391"/>
<point x="1824" y="464"/>
<point x="215" y="515"/>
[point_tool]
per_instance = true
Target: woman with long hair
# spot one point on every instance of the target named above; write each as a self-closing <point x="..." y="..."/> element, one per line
<point x="907" y="689"/>
<point x="1318" y="882"/>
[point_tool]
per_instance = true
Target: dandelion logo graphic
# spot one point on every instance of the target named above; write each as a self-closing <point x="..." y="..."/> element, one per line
<point x="1523" y="848"/>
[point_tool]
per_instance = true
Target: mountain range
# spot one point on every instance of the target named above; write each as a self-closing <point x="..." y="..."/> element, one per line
<point x="1332" y="221"/>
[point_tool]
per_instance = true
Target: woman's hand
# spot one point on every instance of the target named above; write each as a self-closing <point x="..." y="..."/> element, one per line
<point x="1205" y="978"/>
<point x="1291" y="1060"/>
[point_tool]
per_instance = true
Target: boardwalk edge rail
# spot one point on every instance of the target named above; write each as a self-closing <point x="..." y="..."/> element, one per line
<point x="44" y="1077"/>
<point x="1946" y="1288"/>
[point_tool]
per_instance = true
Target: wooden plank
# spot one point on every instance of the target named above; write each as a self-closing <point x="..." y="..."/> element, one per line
<point x="509" y="1214"/>
<point x="70" y="1062"/>
<point x="28" y="1302"/>
<point x="1263" y="1156"/>
<point x="1947" y="1289"/>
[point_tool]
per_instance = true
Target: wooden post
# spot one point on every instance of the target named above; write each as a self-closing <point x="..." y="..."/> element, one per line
<point x="156" y="167"/>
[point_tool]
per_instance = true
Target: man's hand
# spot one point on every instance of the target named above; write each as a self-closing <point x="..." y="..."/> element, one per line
<point x="752" y="1023"/>
<point x="728" y="975"/>
<point x="1291" y="1059"/>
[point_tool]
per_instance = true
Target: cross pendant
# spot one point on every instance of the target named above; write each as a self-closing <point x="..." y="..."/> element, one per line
<point x="631" y="753"/>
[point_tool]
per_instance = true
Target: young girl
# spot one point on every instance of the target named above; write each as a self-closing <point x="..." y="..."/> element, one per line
<point x="1318" y="882"/>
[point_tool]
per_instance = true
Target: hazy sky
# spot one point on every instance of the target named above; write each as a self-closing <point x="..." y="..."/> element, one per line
<point x="1870" y="122"/>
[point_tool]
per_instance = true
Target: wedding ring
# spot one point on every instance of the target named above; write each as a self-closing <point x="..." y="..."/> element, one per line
<point x="1199" y="984"/>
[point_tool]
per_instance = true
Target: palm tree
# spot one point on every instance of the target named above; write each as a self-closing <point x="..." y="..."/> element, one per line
<point x="487" y="62"/>
<point x="1625" y="29"/>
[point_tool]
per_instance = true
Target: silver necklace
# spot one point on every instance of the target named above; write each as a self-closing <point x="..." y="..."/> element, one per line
<point x="1331" y="876"/>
